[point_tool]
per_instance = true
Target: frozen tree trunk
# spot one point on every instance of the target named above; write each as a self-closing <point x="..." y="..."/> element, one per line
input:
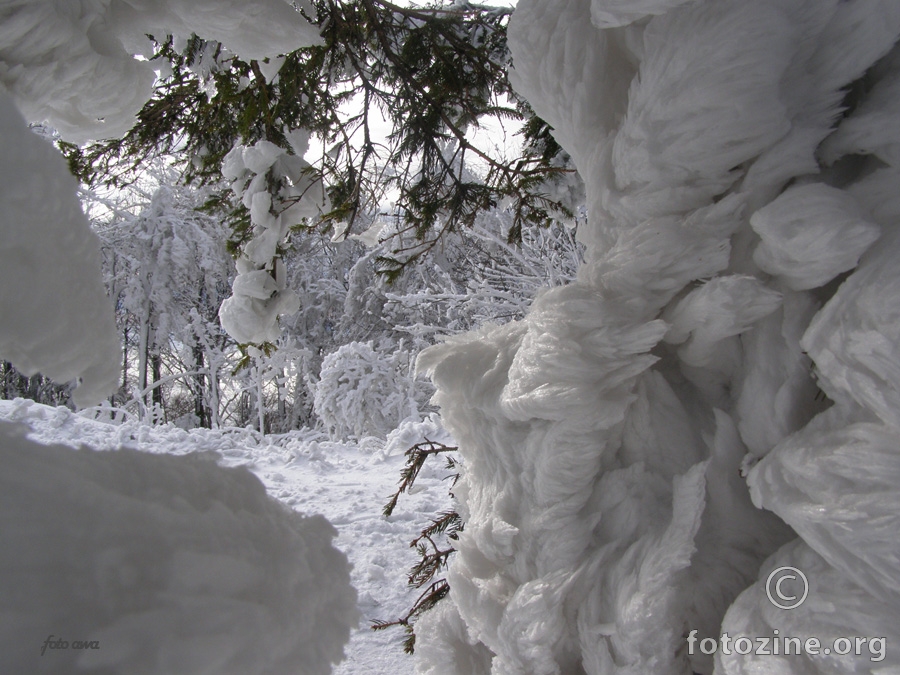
<point x="213" y="389"/>
<point x="302" y="409"/>
<point x="144" y="331"/>
<point x="283" y="421"/>
<point x="606" y="437"/>
<point x="125" y="356"/>
<point x="260" y="399"/>
<point x="157" y="395"/>
<point x="299" y="407"/>
<point x="200" y="407"/>
<point x="142" y="365"/>
<point x="5" y="372"/>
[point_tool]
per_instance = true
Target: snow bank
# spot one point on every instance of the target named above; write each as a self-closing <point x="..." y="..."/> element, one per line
<point x="345" y="482"/>
<point x="605" y="437"/>
<point x="171" y="564"/>
<point x="54" y="313"/>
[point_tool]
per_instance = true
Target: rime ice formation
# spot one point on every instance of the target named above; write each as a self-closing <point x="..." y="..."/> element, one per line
<point x="71" y="64"/>
<point x="736" y="166"/>
<point x="54" y="313"/>
<point x="171" y="563"/>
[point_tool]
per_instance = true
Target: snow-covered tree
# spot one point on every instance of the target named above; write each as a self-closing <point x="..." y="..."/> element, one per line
<point x="479" y="277"/>
<point x="431" y="73"/>
<point x="361" y="392"/>
<point x="168" y="271"/>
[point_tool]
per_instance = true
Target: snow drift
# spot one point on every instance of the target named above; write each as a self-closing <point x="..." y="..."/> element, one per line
<point x="738" y="163"/>
<point x="171" y="563"/>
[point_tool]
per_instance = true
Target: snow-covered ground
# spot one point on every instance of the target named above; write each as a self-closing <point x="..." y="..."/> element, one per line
<point x="347" y="483"/>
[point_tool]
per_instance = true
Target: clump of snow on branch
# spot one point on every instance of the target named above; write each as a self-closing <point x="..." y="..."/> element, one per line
<point x="171" y="563"/>
<point x="609" y="437"/>
<point x="362" y="392"/>
<point x="260" y="293"/>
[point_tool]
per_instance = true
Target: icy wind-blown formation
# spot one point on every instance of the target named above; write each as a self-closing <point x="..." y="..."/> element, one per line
<point x="604" y="436"/>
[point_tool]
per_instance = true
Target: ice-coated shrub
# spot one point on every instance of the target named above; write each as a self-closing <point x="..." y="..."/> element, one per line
<point x="362" y="392"/>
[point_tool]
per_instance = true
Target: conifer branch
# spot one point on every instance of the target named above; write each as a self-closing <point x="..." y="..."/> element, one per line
<point x="432" y="557"/>
<point x="415" y="460"/>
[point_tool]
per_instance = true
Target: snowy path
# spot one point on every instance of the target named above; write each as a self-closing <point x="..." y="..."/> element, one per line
<point x="346" y="483"/>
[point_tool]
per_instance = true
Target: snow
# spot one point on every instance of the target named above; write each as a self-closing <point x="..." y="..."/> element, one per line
<point x="612" y="13"/>
<point x="614" y="437"/>
<point x="346" y="483"/>
<point x="56" y="316"/>
<point x="810" y="234"/>
<point x="855" y="338"/>
<point x="259" y="293"/>
<point x="836" y="608"/>
<point x="171" y="563"/>
<point x="833" y="483"/>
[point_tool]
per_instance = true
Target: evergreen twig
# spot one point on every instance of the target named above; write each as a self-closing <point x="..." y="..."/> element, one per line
<point x="432" y="557"/>
<point x="415" y="460"/>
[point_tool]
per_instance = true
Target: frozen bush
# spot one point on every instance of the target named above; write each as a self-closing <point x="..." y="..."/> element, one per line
<point x="363" y="392"/>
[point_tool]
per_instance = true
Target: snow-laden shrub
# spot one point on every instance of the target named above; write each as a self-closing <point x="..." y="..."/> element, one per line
<point x="362" y="392"/>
